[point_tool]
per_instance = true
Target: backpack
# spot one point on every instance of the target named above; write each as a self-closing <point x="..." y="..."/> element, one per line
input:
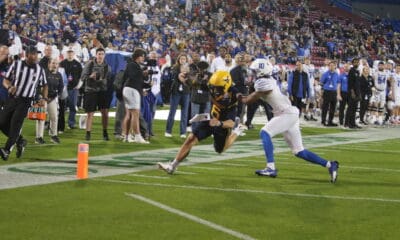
<point x="119" y="85"/>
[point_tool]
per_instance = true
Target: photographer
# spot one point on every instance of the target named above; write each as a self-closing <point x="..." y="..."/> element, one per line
<point x="154" y="76"/>
<point x="180" y="95"/>
<point x="96" y="74"/>
<point x="200" y="97"/>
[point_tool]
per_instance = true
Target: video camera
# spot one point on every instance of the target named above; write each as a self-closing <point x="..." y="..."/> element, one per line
<point x="148" y="66"/>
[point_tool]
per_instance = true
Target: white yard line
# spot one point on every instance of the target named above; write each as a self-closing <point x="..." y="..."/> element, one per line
<point x="365" y="149"/>
<point x="190" y="217"/>
<point x="206" y="188"/>
<point x="230" y="164"/>
<point x="185" y="173"/>
<point x="147" y="176"/>
<point x="277" y="162"/>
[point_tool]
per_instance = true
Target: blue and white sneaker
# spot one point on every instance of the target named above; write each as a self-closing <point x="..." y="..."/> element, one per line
<point x="333" y="171"/>
<point x="267" y="172"/>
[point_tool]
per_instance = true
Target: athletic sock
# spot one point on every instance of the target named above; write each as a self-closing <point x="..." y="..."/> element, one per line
<point x="174" y="163"/>
<point x="271" y="166"/>
<point x="328" y="164"/>
<point x="312" y="157"/>
<point x="268" y="147"/>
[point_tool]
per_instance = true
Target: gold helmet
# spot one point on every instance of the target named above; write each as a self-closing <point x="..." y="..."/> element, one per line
<point x="219" y="83"/>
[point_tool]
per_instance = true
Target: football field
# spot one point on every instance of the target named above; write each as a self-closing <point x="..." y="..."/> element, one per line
<point x="216" y="196"/>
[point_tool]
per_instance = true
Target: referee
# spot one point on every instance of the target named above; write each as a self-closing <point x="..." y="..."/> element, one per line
<point x="21" y="81"/>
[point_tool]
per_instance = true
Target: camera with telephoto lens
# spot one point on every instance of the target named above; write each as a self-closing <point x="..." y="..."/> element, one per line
<point x="149" y="64"/>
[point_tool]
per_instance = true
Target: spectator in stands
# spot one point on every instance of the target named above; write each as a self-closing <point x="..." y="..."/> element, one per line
<point x="219" y="62"/>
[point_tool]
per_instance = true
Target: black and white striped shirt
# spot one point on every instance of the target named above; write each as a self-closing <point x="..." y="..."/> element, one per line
<point x="26" y="78"/>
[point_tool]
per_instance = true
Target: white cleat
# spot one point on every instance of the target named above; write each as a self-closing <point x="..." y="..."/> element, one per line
<point x="141" y="140"/>
<point x="167" y="167"/>
<point x="168" y="135"/>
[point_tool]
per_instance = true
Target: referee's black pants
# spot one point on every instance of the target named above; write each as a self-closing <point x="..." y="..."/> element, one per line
<point x="329" y="102"/>
<point x="12" y="117"/>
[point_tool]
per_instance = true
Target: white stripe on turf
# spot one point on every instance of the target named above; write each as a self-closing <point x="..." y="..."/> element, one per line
<point x="147" y="176"/>
<point x="190" y="217"/>
<point x="304" y="195"/>
<point x="310" y="164"/>
<point x="230" y="164"/>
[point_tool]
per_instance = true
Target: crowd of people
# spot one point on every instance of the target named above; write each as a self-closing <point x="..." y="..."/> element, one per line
<point x="183" y="43"/>
<point x="287" y="29"/>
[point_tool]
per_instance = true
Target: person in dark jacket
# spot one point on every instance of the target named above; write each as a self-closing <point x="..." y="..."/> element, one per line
<point x="44" y="62"/>
<point x="180" y="95"/>
<point x="366" y="85"/>
<point x="73" y="70"/>
<point x="298" y="87"/>
<point x="238" y="75"/>
<point x="354" y="93"/>
<point x="134" y="78"/>
<point x="342" y="94"/>
<point x="95" y="75"/>
<point x="200" y="94"/>
<point x="55" y="87"/>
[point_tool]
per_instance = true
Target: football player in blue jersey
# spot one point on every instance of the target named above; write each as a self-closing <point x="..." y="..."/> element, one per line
<point x="285" y="121"/>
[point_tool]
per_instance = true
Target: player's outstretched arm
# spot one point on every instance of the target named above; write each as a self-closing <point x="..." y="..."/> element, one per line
<point x="253" y="97"/>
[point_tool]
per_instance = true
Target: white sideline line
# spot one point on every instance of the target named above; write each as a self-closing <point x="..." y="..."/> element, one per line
<point x="190" y="217"/>
<point x="147" y="176"/>
<point x="304" y="195"/>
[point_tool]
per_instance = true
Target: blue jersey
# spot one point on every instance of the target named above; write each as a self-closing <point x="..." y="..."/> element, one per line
<point x="329" y="80"/>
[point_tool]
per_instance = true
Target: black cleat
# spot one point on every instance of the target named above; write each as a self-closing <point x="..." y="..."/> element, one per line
<point x="4" y="154"/>
<point x="21" y="144"/>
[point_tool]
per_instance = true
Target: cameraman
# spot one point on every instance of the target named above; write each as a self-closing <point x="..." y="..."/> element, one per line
<point x="155" y="93"/>
<point x="200" y="98"/>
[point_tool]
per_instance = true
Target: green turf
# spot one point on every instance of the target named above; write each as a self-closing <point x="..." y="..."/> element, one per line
<point x="299" y="204"/>
<point x="71" y="138"/>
